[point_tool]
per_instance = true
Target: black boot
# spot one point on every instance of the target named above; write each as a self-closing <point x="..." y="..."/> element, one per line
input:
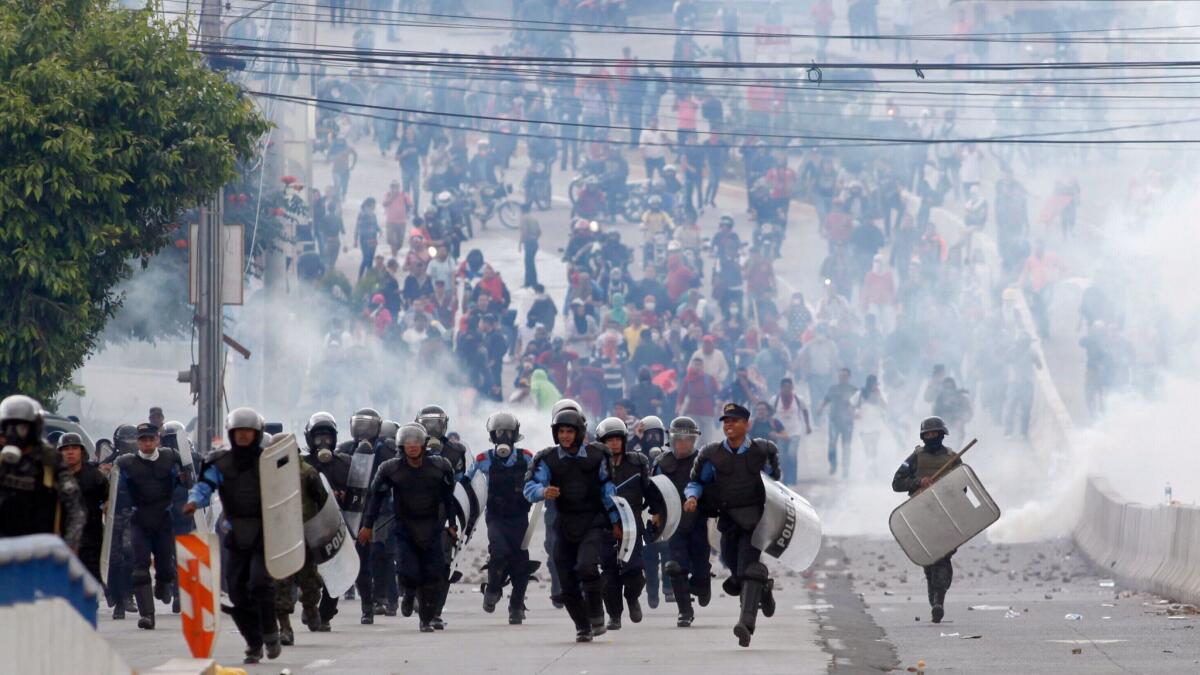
<point x="613" y="605"/>
<point x="683" y="600"/>
<point x="516" y="613"/>
<point x="273" y="645"/>
<point x="368" y="613"/>
<point x="286" y="636"/>
<point x="427" y="606"/>
<point x="702" y="589"/>
<point x="575" y="609"/>
<point x="175" y="608"/>
<point x="634" y="583"/>
<point x="408" y="601"/>
<point x="593" y="601"/>
<point x="118" y="610"/>
<point x="253" y="655"/>
<point x="311" y="616"/>
<point x="939" y="606"/>
<point x="145" y="605"/>
<point x="753" y="585"/>
<point x="768" y="599"/>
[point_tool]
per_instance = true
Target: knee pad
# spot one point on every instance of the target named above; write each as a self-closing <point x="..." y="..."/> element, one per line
<point x="140" y="577"/>
<point x="732" y="586"/>
<point x="756" y="572"/>
<point x="673" y="568"/>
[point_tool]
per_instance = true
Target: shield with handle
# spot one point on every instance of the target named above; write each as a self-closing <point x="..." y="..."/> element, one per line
<point x="628" y="529"/>
<point x="789" y="530"/>
<point x="673" y="509"/>
<point x="282" y="510"/>
<point x="331" y="546"/>
<point x="944" y="516"/>
<point x="357" y="485"/>
<point x="535" y="515"/>
<point x="110" y="521"/>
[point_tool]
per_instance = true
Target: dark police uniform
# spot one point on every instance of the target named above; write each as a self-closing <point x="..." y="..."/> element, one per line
<point x="627" y="580"/>
<point x="584" y="515"/>
<point x="924" y="462"/>
<point x="150" y="484"/>
<point x="337" y="472"/>
<point x="507" y="518"/>
<point x="423" y="499"/>
<point x="688" y="567"/>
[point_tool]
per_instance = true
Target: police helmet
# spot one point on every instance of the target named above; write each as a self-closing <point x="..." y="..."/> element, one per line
<point x="388" y="430"/>
<point x="435" y="420"/>
<point x="933" y="424"/>
<point x="320" y="421"/>
<point x="569" y="418"/>
<point x="21" y="420"/>
<point x="443" y="198"/>
<point x="565" y="404"/>
<point x="684" y="426"/>
<point x="654" y="202"/>
<point x="69" y="439"/>
<point x="504" y="428"/>
<point x="365" y="424"/>
<point x="411" y="433"/>
<point x="244" y="418"/>
<point x="611" y="427"/>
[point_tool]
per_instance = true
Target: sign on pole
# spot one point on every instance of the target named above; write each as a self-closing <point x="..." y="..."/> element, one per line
<point x="232" y="264"/>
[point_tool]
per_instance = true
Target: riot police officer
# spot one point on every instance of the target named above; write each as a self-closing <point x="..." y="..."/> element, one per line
<point x="320" y="438"/>
<point x="576" y="476"/>
<point x="733" y="467"/>
<point x="688" y="564"/>
<point x="150" y="476"/>
<point x="550" y="516"/>
<point x="307" y="580"/>
<point x="93" y="487"/>
<point x="437" y="424"/>
<point x="504" y="467"/>
<point x="35" y="486"/>
<point x="234" y="474"/>
<point x="914" y="475"/>
<point x="421" y="489"/>
<point x="119" y="588"/>
<point x="365" y="427"/>
<point x="173" y="435"/>
<point x="650" y="442"/>
<point x="631" y="476"/>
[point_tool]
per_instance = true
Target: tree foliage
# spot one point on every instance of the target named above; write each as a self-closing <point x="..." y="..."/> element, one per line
<point x="109" y="129"/>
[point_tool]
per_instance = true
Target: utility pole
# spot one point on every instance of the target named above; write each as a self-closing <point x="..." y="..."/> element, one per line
<point x="209" y="305"/>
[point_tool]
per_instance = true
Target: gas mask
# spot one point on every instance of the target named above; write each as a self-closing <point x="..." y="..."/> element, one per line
<point x="503" y="450"/>
<point x="324" y="455"/>
<point x="19" y="432"/>
<point x="652" y="438"/>
<point x="11" y="454"/>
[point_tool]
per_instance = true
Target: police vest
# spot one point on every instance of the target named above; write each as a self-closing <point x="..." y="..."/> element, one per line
<point x="455" y="453"/>
<point x="505" y="485"/>
<point x="580" y="503"/>
<point x="740" y="491"/>
<point x="633" y="465"/>
<point x="929" y="463"/>
<point x="28" y="501"/>
<point x="337" y="469"/>
<point x="150" y="485"/>
<point x="241" y="497"/>
<point x="418" y="493"/>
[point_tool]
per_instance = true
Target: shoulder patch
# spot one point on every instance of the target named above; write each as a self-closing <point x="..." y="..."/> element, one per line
<point x="480" y="457"/>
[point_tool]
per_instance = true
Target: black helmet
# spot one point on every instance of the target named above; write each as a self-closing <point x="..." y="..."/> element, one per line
<point x="569" y="418"/>
<point x="566" y="404"/>
<point x="125" y="438"/>
<point x="435" y="420"/>
<point x="320" y="421"/>
<point x="611" y="427"/>
<point x="365" y="424"/>
<point x="933" y="424"/>
<point x="244" y="418"/>
<point x="21" y="420"/>
<point x="70" y="438"/>
<point x="684" y="426"/>
<point x="411" y="433"/>
<point x="504" y="428"/>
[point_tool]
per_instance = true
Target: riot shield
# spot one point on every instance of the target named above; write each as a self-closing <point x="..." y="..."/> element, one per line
<point x="110" y="520"/>
<point x="628" y="529"/>
<point x="463" y="510"/>
<point x="673" y="508"/>
<point x="790" y="530"/>
<point x="331" y="546"/>
<point x="357" y="485"/>
<point x="282" y="511"/>
<point x="535" y="516"/>
<point x="943" y="517"/>
<point x="198" y="568"/>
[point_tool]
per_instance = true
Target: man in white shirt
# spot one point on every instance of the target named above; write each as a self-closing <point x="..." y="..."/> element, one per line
<point x="654" y="148"/>
<point x="792" y="411"/>
<point x="715" y="363"/>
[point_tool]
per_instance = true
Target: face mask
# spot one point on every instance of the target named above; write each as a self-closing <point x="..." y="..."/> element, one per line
<point x="11" y="454"/>
<point x="650" y="306"/>
<point x="933" y="443"/>
<point x="324" y="455"/>
<point x="503" y="450"/>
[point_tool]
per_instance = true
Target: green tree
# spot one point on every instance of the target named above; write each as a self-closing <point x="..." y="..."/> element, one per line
<point x="109" y="129"/>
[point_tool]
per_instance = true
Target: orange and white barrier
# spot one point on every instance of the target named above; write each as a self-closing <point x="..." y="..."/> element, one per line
<point x="198" y="565"/>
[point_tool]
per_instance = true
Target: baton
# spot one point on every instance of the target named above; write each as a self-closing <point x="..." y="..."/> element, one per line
<point x="955" y="460"/>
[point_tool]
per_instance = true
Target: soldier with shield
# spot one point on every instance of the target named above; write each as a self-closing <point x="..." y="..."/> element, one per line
<point x="624" y="580"/>
<point x="502" y="469"/>
<point x="577" y="477"/>
<point x="420" y="488"/>
<point x="234" y="474"/>
<point x="688" y="565"/>
<point x="320" y="436"/>
<point x="437" y="424"/>
<point x="367" y="451"/>
<point x="733" y="469"/>
<point x="915" y="474"/>
<point x="312" y="498"/>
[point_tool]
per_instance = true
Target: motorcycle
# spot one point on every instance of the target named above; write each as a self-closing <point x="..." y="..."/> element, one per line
<point x="536" y="186"/>
<point x="768" y="237"/>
